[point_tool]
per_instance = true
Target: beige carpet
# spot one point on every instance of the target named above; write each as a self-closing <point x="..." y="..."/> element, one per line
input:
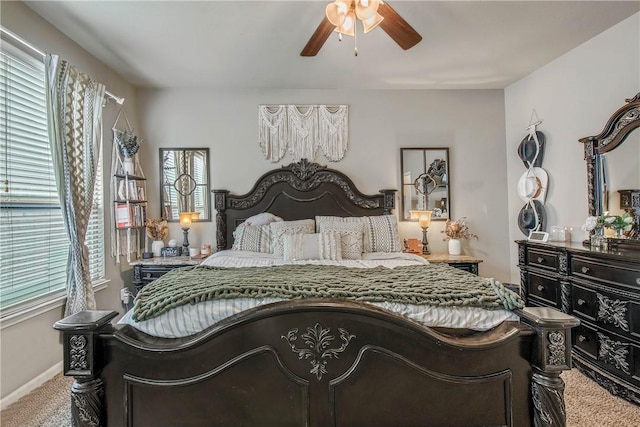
<point x="588" y="405"/>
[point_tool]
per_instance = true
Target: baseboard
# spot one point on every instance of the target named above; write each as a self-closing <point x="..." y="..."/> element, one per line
<point x="31" y="385"/>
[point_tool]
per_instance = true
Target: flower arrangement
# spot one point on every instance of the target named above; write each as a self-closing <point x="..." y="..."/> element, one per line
<point x="128" y="144"/>
<point x="622" y="222"/>
<point x="458" y="230"/>
<point x="157" y="229"/>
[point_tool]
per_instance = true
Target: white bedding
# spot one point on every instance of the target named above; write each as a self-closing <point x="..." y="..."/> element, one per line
<point x="190" y="319"/>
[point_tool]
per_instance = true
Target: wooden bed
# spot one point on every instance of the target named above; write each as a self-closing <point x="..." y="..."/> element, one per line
<point x="319" y="362"/>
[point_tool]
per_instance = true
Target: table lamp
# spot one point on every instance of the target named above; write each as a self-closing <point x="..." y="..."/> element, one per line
<point x="185" y="223"/>
<point x="424" y="220"/>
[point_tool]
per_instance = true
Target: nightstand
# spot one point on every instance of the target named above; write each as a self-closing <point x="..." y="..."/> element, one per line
<point x="463" y="262"/>
<point x="148" y="270"/>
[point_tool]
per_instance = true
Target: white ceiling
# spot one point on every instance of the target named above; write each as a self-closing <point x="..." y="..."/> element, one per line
<point x="257" y="44"/>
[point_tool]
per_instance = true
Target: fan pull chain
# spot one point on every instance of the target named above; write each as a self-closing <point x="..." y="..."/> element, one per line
<point x="355" y="39"/>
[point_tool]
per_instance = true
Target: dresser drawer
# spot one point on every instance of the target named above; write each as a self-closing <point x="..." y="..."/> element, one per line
<point x="618" y="273"/>
<point x="612" y="352"/>
<point x="607" y="309"/>
<point x="543" y="259"/>
<point x="543" y="288"/>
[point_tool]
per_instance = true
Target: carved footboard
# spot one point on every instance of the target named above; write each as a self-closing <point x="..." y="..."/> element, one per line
<point x="318" y="363"/>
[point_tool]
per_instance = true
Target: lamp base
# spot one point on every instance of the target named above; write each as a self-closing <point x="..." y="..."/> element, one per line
<point x="425" y="242"/>
<point x="185" y="242"/>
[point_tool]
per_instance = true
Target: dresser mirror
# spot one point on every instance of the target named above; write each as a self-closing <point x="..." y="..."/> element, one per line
<point x="184" y="183"/>
<point x="425" y="182"/>
<point x="613" y="169"/>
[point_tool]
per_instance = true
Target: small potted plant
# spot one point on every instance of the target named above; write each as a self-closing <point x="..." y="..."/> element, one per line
<point x="128" y="146"/>
<point x="157" y="231"/>
<point x="455" y="231"/>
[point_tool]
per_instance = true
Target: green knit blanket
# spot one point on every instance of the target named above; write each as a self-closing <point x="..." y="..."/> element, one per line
<point x="435" y="284"/>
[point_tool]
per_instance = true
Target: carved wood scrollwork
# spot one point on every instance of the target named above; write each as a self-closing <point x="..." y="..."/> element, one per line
<point x="614" y="353"/>
<point x="613" y="311"/>
<point x="78" y="353"/>
<point x="318" y="340"/>
<point x="557" y="348"/>
<point x="547" y="393"/>
<point x="86" y="403"/>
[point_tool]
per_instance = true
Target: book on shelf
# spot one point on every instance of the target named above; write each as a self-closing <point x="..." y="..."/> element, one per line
<point x="123" y="215"/>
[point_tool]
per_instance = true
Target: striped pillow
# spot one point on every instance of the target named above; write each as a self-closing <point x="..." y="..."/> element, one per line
<point x="381" y="234"/>
<point x="253" y="238"/>
<point x="280" y="229"/>
<point x="312" y="246"/>
<point x="351" y="232"/>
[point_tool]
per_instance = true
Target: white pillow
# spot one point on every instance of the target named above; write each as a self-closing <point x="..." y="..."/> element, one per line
<point x="381" y="234"/>
<point x="280" y="229"/>
<point x="311" y="246"/>
<point x="254" y="238"/>
<point x="351" y="232"/>
<point x="263" y="218"/>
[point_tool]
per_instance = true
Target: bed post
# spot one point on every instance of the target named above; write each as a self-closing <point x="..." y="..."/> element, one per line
<point x="83" y="361"/>
<point x="389" y="200"/>
<point x="551" y="354"/>
<point x="220" y="204"/>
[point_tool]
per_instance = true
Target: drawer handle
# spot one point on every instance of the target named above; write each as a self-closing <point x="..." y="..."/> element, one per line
<point x="540" y="288"/>
<point x="585" y="270"/>
<point x="638" y="281"/>
<point x="582" y="338"/>
<point x="581" y="301"/>
<point x="541" y="260"/>
<point x="147" y="276"/>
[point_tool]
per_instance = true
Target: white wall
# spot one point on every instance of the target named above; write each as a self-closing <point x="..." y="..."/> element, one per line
<point x="31" y="347"/>
<point x="470" y="123"/>
<point x="574" y="96"/>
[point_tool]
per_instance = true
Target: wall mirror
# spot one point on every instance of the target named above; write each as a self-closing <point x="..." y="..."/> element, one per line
<point x="184" y="183"/>
<point x="613" y="168"/>
<point x="425" y="181"/>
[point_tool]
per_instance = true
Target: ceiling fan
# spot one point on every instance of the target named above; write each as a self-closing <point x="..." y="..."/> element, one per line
<point x="340" y="16"/>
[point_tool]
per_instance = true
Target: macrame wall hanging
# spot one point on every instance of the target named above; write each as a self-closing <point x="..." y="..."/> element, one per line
<point x="302" y="129"/>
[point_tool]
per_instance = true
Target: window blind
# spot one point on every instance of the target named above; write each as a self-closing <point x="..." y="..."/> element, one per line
<point x="33" y="241"/>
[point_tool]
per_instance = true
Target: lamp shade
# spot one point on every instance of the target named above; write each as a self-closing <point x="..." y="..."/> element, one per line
<point x="348" y="27"/>
<point x="366" y="9"/>
<point x="423" y="217"/>
<point x="185" y="219"/>
<point x="371" y="23"/>
<point x="335" y="14"/>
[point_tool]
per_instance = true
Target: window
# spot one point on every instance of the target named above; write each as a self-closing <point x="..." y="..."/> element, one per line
<point x="33" y="241"/>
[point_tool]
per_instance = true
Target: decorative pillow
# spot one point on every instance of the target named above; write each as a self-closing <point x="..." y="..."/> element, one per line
<point x="351" y="232"/>
<point x="263" y="218"/>
<point x="381" y="233"/>
<point x="311" y="246"/>
<point x="254" y="238"/>
<point x="280" y="229"/>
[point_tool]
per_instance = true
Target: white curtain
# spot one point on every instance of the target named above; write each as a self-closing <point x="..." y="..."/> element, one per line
<point x="74" y="107"/>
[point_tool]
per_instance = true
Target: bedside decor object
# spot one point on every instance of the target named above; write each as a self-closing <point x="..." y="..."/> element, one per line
<point x="157" y="231"/>
<point x="456" y="231"/>
<point x="424" y="220"/>
<point x="185" y="223"/>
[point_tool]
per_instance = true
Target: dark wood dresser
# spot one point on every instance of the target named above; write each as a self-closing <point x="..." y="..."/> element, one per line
<point x="602" y="289"/>
<point x="146" y="271"/>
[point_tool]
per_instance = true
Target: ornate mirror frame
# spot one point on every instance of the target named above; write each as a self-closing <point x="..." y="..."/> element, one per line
<point x="184" y="183"/>
<point x="424" y="176"/>
<point x="615" y="132"/>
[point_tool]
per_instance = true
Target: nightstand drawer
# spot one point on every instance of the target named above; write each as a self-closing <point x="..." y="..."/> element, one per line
<point x="609" y="272"/>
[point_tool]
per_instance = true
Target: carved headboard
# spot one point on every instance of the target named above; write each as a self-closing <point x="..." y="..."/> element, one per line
<point x="298" y="191"/>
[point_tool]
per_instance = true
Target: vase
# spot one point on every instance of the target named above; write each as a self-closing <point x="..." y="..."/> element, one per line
<point x="597" y="239"/>
<point x="455" y="247"/>
<point x="156" y="248"/>
<point x="128" y="166"/>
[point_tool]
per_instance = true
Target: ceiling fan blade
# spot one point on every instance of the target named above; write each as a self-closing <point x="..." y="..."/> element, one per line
<point x="397" y="28"/>
<point x="318" y="38"/>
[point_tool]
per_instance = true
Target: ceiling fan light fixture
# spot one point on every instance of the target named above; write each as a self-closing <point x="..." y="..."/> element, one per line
<point x="371" y="23"/>
<point x="348" y="27"/>
<point x="332" y="11"/>
<point x="366" y="9"/>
